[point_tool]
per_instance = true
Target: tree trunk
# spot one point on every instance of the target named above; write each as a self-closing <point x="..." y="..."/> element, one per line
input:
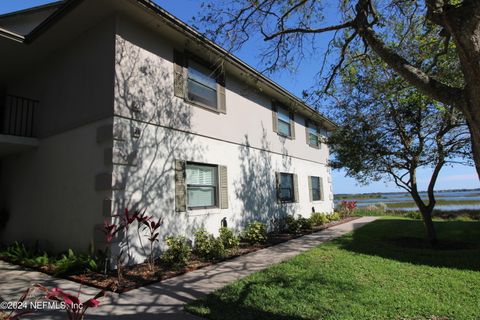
<point x="429" y="227"/>
<point x="426" y="212"/>
<point x="463" y="24"/>
<point x="472" y="114"/>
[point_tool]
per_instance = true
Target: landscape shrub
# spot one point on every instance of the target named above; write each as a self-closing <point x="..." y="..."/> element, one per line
<point x="335" y="216"/>
<point x="207" y="246"/>
<point x="178" y="252"/>
<point x="413" y="215"/>
<point x="68" y="263"/>
<point x="305" y="223"/>
<point x="279" y="224"/>
<point x="255" y="232"/>
<point x="293" y="225"/>
<point x="19" y="253"/>
<point x="319" y="218"/>
<point x="228" y="238"/>
<point x="71" y="263"/>
<point x="346" y="208"/>
<point x="462" y="214"/>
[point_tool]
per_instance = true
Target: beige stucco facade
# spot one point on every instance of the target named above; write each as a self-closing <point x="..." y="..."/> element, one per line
<point x="110" y="129"/>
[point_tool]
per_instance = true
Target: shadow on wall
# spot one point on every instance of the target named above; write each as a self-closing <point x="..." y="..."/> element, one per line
<point x="256" y="187"/>
<point x="146" y="112"/>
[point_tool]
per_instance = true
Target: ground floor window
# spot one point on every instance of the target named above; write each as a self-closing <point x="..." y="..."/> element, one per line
<point x="286" y="188"/>
<point x="202" y="185"/>
<point x="316" y="189"/>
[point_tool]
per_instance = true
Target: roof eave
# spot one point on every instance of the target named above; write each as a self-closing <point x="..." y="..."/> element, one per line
<point x="11" y="35"/>
<point x="175" y="22"/>
<point x="68" y="5"/>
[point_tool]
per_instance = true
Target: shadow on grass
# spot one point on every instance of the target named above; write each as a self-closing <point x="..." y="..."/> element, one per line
<point x="287" y="294"/>
<point x="219" y="308"/>
<point x="404" y="240"/>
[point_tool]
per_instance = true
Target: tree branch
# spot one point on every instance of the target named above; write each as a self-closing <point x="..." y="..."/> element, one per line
<point x="428" y="85"/>
<point x="345" y="25"/>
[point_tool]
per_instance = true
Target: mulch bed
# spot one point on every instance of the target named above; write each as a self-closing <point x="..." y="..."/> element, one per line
<point x="140" y="275"/>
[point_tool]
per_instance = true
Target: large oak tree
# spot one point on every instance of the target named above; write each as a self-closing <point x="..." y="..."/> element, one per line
<point x="388" y="130"/>
<point x="291" y="29"/>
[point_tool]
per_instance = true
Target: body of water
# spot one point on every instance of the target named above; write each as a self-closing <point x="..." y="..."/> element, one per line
<point x="471" y="195"/>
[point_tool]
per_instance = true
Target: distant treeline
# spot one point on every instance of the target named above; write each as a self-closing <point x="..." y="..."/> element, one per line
<point x="359" y="196"/>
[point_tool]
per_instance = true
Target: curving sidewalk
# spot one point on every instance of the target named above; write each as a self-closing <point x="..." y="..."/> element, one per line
<point x="165" y="300"/>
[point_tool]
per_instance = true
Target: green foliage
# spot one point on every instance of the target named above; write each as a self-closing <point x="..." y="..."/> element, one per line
<point x="295" y="226"/>
<point x="335" y="216"/>
<point x="292" y="225"/>
<point x="389" y="129"/>
<point x="20" y="254"/>
<point x="17" y="252"/>
<point x="457" y="214"/>
<point x="68" y="263"/>
<point x="413" y="215"/>
<point x="71" y="263"/>
<point x="178" y="252"/>
<point x="370" y="211"/>
<point x="305" y="223"/>
<point x="228" y="238"/>
<point x="319" y="218"/>
<point x="255" y="232"/>
<point x="207" y="246"/>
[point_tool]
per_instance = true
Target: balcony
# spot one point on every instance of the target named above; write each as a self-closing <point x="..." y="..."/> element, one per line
<point x="17" y="124"/>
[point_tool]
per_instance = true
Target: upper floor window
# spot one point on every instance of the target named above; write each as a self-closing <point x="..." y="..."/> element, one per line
<point x="198" y="82"/>
<point x="202" y="185"/>
<point x="283" y="123"/>
<point x="201" y="85"/>
<point x="313" y="135"/>
<point x="284" y="127"/>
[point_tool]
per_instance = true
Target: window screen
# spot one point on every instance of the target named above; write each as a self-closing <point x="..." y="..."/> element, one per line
<point x="201" y="185"/>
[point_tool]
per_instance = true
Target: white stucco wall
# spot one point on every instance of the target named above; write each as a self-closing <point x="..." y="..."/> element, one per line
<point x="248" y="111"/>
<point x="251" y="181"/>
<point x="170" y="128"/>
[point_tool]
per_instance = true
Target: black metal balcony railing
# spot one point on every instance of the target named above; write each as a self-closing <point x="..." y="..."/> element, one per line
<point x="17" y="116"/>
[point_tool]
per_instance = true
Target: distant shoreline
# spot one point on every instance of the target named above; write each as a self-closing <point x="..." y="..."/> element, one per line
<point x="380" y="195"/>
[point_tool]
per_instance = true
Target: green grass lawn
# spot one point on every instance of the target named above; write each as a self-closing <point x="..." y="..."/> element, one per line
<point x="381" y="271"/>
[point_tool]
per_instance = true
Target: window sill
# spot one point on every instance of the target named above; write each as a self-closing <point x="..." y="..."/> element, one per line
<point x="285" y="136"/>
<point x="205" y="212"/>
<point x="201" y="208"/>
<point x="203" y="106"/>
<point x="314" y="146"/>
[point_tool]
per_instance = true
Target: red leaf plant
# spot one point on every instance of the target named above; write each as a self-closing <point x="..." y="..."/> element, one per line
<point x="129" y="219"/>
<point x="16" y="314"/>
<point x="348" y="206"/>
<point x="152" y="235"/>
<point x="74" y="307"/>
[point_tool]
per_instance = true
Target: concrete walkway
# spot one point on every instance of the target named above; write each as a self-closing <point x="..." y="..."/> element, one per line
<point x="165" y="300"/>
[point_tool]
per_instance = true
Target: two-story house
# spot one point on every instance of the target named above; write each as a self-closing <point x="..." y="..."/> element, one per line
<point x="114" y="104"/>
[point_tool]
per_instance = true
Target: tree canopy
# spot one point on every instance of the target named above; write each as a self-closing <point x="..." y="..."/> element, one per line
<point x="386" y="29"/>
<point x="389" y="130"/>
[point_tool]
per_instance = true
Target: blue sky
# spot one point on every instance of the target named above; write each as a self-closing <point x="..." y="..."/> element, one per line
<point x="457" y="176"/>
